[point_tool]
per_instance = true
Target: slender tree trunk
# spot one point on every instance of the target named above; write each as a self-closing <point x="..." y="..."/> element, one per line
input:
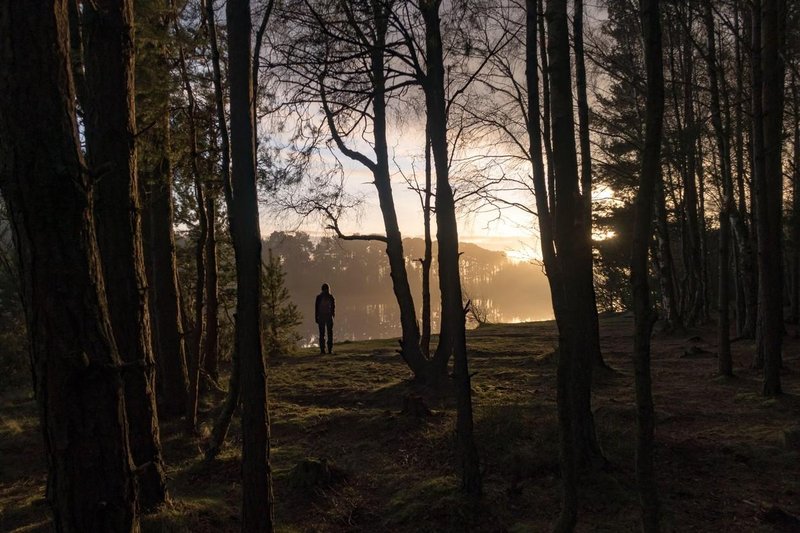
<point x="644" y="316"/>
<point x="447" y="238"/>
<point x="257" y="505"/>
<point x="694" y="265"/>
<point x="410" y="342"/>
<point x="795" y="217"/>
<point x="725" y="363"/>
<point x="195" y="359"/>
<point x="110" y="125"/>
<point x="546" y="115"/>
<point x="728" y="208"/>
<point x="157" y="217"/>
<point x="211" y="356"/>
<point x="410" y="348"/>
<point x="427" y="259"/>
<point x="666" y="276"/>
<point x="223" y="421"/>
<point x="76" y="366"/>
<point x="769" y="189"/>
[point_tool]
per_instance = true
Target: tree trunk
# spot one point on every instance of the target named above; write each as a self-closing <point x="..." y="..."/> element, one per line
<point x="725" y="363"/>
<point x="795" y="217"/>
<point x="257" y="505"/>
<point x="211" y="358"/>
<point x="728" y="203"/>
<point x="577" y="342"/>
<point x="693" y="263"/>
<point x="195" y="359"/>
<point x="546" y="115"/>
<point x="110" y="131"/>
<point x="223" y="421"/>
<point x="666" y="277"/>
<point x="769" y="189"/>
<point x="76" y="366"/>
<point x="427" y="259"/>
<point x="410" y="343"/>
<point x="157" y="217"/>
<point x="644" y="316"/>
<point x="447" y="239"/>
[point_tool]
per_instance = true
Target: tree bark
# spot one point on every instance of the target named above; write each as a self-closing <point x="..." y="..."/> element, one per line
<point x="644" y="316"/>
<point x="257" y="505"/>
<point x="577" y="342"/>
<point x="410" y="348"/>
<point x="447" y="239"/>
<point x="76" y="365"/>
<point x="211" y="356"/>
<point x="666" y="276"/>
<point x="427" y="259"/>
<point x="195" y="359"/>
<point x="110" y="125"/>
<point x="769" y="193"/>
<point x="694" y="261"/>
<point x="153" y="118"/>
<point x="223" y="421"/>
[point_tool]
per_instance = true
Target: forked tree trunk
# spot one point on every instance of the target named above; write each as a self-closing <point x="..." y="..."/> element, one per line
<point x="110" y="131"/>
<point x="257" y="505"/>
<point x="375" y="45"/>
<point x="447" y="239"/>
<point x="644" y="316"/>
<point x="76" y="366"/>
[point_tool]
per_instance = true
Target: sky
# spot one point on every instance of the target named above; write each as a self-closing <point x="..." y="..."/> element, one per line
<point x="514" y="232"/>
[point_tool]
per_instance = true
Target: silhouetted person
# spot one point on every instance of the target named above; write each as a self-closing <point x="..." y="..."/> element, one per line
<point x="324" y="311"/>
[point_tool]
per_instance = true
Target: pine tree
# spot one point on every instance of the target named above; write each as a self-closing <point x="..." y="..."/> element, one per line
<point x="281" y="316"/>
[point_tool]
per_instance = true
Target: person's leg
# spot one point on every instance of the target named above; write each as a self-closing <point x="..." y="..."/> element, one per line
<point x="321" y="325"/>
<point x="330" y="335"/>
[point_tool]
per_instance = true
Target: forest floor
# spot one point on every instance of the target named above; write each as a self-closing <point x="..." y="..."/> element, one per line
<point x="721" y="460"/>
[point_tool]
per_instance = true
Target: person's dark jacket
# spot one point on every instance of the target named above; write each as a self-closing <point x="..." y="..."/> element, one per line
<point x="324" y="313"/>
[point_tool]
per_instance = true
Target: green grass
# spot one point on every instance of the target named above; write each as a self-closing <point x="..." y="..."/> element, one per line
<point x="719" y="444"/>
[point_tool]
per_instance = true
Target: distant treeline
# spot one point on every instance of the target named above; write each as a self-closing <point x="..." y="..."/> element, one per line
<point x="358" y="273"/>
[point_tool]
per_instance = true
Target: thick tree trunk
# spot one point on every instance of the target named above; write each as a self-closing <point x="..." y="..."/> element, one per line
<point x="577" y="342"/>
<point x="769" y="193"/>
<point x="76" y="366"/>
<point x="110" y="130"/>
<point x="257" y="505"/>
<point x="644" y="316"/>
<point x="155" y="172"/>
<point x="447" y="238"/>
